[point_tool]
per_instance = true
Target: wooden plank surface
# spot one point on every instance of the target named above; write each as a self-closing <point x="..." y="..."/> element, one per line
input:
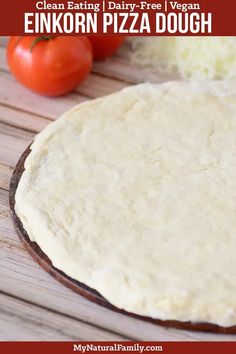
<point x="21" y="320"/>
<point x="34" y="306"/>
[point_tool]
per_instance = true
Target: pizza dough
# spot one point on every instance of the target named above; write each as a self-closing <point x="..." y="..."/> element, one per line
<point x="134" y="194"/>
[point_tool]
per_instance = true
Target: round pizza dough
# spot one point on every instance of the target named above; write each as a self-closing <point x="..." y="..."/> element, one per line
<point x="134" y="194"/>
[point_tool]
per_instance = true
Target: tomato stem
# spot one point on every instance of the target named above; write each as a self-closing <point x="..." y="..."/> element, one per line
<point x="39" y="39"/>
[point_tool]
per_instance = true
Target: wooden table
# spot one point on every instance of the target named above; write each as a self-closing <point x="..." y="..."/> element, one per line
<point x="33" y="305"/>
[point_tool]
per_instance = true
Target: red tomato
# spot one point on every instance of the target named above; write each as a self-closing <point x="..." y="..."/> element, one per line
<point x="105" y="46"/>
<point x="51" y="66"/>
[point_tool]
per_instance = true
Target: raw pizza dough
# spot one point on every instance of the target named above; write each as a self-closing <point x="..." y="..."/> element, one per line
<point x="134" y="194"/>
